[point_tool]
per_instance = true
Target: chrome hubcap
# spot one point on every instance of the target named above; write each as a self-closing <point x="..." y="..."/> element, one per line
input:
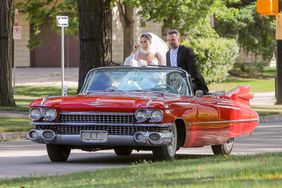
<point x="172" y="147"/>
<point x="229" y="144"/>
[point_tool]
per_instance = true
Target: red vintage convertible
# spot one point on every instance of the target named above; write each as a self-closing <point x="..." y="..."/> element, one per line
<point x="144" y="108"/>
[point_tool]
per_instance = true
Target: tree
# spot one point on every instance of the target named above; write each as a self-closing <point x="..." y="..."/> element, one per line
<point x="183" y="15"/>
<point x="6" y="51"/>
<point x="255" y="33"/>
<point x="95" y="35"/>
<point x="126" y="17"/>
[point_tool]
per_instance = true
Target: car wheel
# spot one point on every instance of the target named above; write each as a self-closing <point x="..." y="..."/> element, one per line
<point x="123" y="151"/>
<point x="167" y="152"/>
<point x="58" y="153"/>
<point x="224" y="149"/>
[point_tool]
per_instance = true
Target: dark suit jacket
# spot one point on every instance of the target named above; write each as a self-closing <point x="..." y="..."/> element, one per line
<point x="186" y="60"/>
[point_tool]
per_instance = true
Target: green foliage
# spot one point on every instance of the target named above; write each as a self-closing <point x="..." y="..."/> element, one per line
<point x="255" y="33"/>
<point x="182" y="15"/>
<point x="214" y="56"/>
<point x="257" y="85"/>
<point x="254" y="68"/>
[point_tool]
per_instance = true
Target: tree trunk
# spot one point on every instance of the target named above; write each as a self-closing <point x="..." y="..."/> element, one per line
<point x="166" y="26"/>
<point x="6" y="53"/>
<point x="127" y="22"/>
<point x="95" y="34"/>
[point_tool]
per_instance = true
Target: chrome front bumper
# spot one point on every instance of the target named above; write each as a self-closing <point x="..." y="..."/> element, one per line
<point x="138" y="139"/>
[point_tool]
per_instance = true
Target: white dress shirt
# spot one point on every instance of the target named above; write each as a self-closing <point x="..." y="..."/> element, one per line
<point x="173" y="57"/>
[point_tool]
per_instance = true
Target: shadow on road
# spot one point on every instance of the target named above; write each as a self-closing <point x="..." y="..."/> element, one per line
<point x="110" y="158"/>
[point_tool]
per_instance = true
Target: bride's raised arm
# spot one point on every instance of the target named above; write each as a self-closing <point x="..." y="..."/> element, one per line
<point x="161" y="48"/>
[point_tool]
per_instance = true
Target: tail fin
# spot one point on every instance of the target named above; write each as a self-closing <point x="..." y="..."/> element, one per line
<point x="240" y="94"/>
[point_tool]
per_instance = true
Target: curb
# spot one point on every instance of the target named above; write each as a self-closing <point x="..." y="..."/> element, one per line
<point x="270" y="119"/>
<point x="9" y="136"/>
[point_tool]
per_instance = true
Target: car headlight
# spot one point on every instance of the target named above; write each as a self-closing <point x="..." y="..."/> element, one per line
<point x="141" y="115"/>
<point x="156" y="116"/>
<point x="35" y="114"/>
<point x="50" y="114"/>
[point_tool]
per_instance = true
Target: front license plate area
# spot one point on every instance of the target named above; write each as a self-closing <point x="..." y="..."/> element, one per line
<point x="94" y="136"/>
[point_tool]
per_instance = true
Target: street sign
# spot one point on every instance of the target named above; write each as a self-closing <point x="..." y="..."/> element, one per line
<point x="17" y="32"/>
<point x="62" y="21"/>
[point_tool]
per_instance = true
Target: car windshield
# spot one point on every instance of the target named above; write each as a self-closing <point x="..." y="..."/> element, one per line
<point x="163" y="80"/>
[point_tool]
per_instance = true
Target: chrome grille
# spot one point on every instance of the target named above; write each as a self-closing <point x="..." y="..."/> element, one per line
<point x="115" y="118"/>
<point x="112" y="130"/>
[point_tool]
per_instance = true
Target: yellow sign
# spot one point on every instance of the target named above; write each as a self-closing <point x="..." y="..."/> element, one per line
<point x="279" y="27"/>
<point x="268" y="7"/>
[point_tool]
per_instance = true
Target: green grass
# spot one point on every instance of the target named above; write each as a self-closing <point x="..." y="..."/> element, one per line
<point x="14" y="124"/>
<point x="268" y="110"/>
<point x="257" y="85"/>
<point x="263" y="170"/>
<point x="26" y="94"/>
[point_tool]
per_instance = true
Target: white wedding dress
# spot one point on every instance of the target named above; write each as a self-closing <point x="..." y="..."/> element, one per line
<point x="157" y="46"/>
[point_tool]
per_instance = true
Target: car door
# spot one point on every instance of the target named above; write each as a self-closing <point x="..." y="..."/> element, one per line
<point x="205" y="130"/>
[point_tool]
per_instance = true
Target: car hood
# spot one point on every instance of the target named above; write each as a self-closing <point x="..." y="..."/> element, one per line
<point x="107" y="102"/>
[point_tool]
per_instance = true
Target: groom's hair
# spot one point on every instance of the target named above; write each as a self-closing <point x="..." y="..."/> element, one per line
<point x="173" y="31"/>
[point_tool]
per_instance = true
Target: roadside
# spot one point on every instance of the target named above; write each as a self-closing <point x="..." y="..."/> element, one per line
<point x="46" y="76"/>
<point x="52" y="77"/>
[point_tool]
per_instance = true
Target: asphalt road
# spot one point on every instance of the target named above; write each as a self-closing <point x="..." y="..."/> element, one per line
<point x="24" y="158"/>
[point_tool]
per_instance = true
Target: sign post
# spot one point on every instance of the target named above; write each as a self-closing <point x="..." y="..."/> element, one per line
<point x="278" y="87"/>
<point x="274" y="8"/>
<point x="17" y="34"/>
<point x="63" y="21"/>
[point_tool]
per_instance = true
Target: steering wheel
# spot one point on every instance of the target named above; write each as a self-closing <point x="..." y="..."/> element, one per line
<point x="164" y="87"/>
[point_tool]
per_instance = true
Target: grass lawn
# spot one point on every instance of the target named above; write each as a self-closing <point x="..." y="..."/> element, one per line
<point x="257" y="85"/>
<point x="268" y="110"/>
<point x="14" y="124"/>
<point x="26" y="94"/>
<point x="264" y="170"/>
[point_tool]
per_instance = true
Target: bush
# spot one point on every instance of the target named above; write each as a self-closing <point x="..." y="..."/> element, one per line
<point x="254" y="68"/>
<point x="214" y="56"/>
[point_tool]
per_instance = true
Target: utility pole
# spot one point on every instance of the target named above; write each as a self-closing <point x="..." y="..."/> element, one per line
<point x="279" y="54"/>
<point x="274" y="8"/>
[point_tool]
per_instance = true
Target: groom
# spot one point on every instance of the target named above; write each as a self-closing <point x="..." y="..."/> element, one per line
<point x="181" y="56"/>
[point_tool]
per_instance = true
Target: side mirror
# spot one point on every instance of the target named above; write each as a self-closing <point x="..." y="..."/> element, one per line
<point x="199" y="93"/>
<point x="65" y="90"/>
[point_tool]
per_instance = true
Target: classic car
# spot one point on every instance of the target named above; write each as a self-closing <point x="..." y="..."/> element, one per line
<point x="141" y="108"/>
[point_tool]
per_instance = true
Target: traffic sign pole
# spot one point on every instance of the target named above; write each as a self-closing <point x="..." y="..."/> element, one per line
<point x="63" y="60"/>
<point x="17" y="34"/>
<point x="63" y="21"/>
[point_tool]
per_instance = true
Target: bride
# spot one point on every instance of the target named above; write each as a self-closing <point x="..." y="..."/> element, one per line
<point x="151" y="50"/>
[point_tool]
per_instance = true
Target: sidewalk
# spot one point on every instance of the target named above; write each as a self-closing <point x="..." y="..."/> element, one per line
<point x="263" y="99"/>
<point x="46" y="76"/>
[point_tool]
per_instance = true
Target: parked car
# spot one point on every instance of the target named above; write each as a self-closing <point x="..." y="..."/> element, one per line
<point x="141" y="108"/>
